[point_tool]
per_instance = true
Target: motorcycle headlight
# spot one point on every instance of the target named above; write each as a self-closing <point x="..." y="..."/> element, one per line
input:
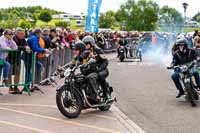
<point x="184" y="68"/>
<point x="67" y="72"/>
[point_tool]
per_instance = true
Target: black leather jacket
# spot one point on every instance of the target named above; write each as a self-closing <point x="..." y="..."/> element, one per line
<point x="181" y="58"/>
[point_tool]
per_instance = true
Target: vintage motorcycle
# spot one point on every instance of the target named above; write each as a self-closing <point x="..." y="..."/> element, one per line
<point x="187" y="81"/>
<point x="75" y="94"/>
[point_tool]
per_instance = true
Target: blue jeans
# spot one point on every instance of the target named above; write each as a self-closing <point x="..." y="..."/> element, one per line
<point x="6" y="68"/>
<point x="175" y="77"/>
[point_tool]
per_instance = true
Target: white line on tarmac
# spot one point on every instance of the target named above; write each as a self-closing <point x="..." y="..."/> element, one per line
<point x="124" y="120"/>
<point x="24" y="127"/>
<point x="55" y="107"/>
<point x="60" y="120"/>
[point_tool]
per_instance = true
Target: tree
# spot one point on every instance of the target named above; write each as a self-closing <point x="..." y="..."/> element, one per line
<point x="24" y="24"/>
<point x="45" y="16"/>
<point x="195" y="16"/>
<point x="198" y="18"/>
<point x="107" y="20"/>
<point x="62" y="24"/>
<point x="170" y="18"/>
<point x="141" y="15"/>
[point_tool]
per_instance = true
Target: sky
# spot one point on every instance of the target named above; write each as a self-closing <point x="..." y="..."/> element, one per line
<point x="78" y="6"/>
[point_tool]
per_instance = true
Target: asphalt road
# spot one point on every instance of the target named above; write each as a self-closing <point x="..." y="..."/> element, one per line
<point x="147" y="96"/>
<point x="38" y="113"/>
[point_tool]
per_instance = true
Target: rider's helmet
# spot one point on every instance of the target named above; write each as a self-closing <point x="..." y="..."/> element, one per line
<point x="90" y="40"/>
<point x="181" y="41"/>
<point x="79" y="45"/>
<point x="180" y="36"/>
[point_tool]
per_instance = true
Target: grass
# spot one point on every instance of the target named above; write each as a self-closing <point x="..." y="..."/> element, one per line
<point x="40" y="23"/>
<point x="190" y="29"/>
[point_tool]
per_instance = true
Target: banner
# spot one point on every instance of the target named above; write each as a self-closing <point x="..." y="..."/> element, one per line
<point x="93" y="15"/>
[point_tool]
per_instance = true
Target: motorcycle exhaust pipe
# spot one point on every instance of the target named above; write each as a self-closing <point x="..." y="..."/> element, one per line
<point x="109" y="102"/>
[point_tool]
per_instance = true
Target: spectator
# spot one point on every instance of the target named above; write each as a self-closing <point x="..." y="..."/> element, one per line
<point x="55" y="40"/>
<point x="37" y="44"/>
<point x="6" y="43"/>
<point x="14" y="58"/>
<point x="70" y="38"/>
<point x="46" y="37"/>
<point x="196" y="33"/>
<point x="101" y="41"/>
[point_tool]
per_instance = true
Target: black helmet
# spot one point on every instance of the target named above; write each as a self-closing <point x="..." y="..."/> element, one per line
<point x="89" y="39"/>
<point x="181" y="42"/>
<point x="79" y="45"/>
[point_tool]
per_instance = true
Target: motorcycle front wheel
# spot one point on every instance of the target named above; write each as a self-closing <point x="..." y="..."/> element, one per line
<point x="69" y="104"/>
<point x="191" y="95"/>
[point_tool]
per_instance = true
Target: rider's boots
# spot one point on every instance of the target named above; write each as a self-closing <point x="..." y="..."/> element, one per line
<point x="181" y="92"/>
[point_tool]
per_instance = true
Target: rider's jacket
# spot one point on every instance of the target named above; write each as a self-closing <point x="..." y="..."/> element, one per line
<point x="197" y="50"/>
<point x="180" y="58"/>
<point x="84" y="58"/>
<point x="101" y="60"/>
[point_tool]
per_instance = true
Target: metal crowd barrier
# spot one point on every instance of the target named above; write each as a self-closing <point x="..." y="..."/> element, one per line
<point x="49" y="64"/>
<point x="110" y="45"/>
<point x="27" y="70"/>
<point x="17" y="67"/>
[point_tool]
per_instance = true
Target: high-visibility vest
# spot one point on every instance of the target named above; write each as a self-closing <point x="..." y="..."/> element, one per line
<point x="42" y="45"/>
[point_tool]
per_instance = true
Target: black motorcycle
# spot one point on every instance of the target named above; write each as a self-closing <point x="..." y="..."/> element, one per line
<point x="75" y="95"/>
<point x="122" y="53"/>
<point x="187" y="81"/>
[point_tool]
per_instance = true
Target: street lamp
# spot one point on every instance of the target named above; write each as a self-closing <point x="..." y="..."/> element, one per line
<point x="185" y="5"/>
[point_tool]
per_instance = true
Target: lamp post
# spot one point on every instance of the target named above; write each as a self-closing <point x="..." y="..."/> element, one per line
<point x="185" y="6"/>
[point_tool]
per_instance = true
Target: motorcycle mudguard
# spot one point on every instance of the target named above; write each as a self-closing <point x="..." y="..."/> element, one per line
<point x="61" y="87"/>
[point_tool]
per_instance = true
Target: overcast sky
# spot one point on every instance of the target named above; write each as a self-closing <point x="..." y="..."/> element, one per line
<point x="78" y="6"/>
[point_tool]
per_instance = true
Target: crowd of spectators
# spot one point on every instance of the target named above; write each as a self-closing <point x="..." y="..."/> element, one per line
<point x="23" y="43"/>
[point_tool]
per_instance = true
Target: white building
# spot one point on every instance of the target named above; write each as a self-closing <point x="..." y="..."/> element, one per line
<point x="69" y="16"/>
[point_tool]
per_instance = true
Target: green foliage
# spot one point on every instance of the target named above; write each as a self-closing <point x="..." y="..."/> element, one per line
<point x="141" y="15"/>
<point x="170" y="19"/>
<point x="45" y="16"/>
<point x="8" y="24"/>
<point x="24" y="24"/>
<point x="15" y="14"/>
<point x="196" y="17"/>
<point x="62" y="24"/>
<point x="107" y="20"/>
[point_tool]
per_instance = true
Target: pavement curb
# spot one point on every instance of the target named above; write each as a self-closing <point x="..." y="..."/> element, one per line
<point x="125" y="121"/>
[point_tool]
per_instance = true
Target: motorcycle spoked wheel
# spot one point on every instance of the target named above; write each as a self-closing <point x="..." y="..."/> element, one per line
<point x="70" y="108"/>
<point x="191" y="95"/>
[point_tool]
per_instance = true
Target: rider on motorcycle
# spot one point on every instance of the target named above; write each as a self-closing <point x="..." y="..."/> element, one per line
<point x="101" y="63"/>
<point x="123" y="42"/>
<point x="87" y="59"/>
<point x="182" y="56"/>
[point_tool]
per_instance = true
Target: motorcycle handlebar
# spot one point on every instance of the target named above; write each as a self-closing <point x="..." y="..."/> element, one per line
<point x="190" y="65"/>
